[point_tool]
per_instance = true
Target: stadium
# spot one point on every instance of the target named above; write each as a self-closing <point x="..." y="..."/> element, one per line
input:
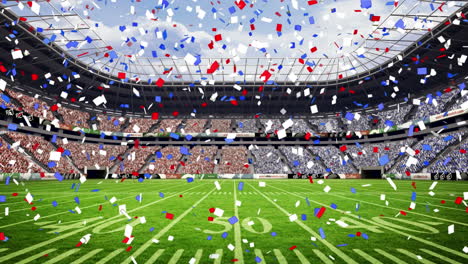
<point x="320" y="131"/>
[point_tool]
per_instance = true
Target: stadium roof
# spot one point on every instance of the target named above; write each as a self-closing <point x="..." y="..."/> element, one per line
<point x="306" y="42"/>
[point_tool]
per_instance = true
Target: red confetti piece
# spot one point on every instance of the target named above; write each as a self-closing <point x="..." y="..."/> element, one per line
<point x="14" y="194"/>
<point x="160" y="82"/>
<point x="458" y="200"/>
<point x="169" y="216"/>
<point x="321" y="212"/>
<point x="211" y="210"/>
<point x="129" y="248"/>
<point x="100" y="207"/>
<point x="442" y="202"/>
<point x="210" y="218"/>
<point x="293" y="247"/>
<point x="121" y="75"/>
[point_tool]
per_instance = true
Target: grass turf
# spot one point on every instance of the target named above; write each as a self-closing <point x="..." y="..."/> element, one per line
<point x="263" y="234"/>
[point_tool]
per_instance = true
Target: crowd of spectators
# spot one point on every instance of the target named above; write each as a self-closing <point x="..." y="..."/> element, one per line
<point x="268" y="160"/>
<point x="166" y="162"/>
<point x="426" y="150"/>
<point x="395" y="116"/>
<point x="32" y="105"/>
<point x="358" y="124"/>
<point x="300" y="126"/>
<point x="247" y="126"/>
<point x="6" y="102"/>
<point x="201" y="160"/>
<point x="41" y="150"/>
<point x="369" y="155"/>
<point x="454" y="160"/>
<point x="301" y="161"/>
<point x="220" y="126"/>
<point x="11" y="161"/>
<point x="325" y="125"/>
<point x="168" y="125"/>
<point x="459" y="101"/>
<point x="93" y="155"/>
<point x="271" y="125"/>
<point x="135" y="159"/>
<point x="195" y="125"/>
<point x="110" y="123"/>
<point x="234" y="160"/>
<point x="333" y="159"/>
<point x="139" y="125"/>
<point x="433" y="105"/>
<point x="73" y="117"/>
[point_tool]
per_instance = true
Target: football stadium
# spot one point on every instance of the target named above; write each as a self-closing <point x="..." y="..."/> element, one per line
<point x="233" y="131"/>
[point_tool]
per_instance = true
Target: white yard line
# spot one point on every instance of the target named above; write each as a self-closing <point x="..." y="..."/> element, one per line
<point x="259" y="254"/>
<point x="155" y="256"/>
<point x="87" y="256"/>
<point x="220" y="253"/>
<point x="413" y="256"/>
<point x="427" y="242"/>
<point x="77" y="231"/>
<point x="163" y="231"/>
<point x="36" y="256"/>
<point x="322" y="257"/>
<point x="444" y="258"/>
<point x="111" y="255"/>
<point x="279" y="256"/>
<point x="238" y="254"/>
<point x="334" y="249"/>
<point x="389" y="256"/>
<point x="367" y="256"/>
<point x="301" y="257"/>
<point x="176" y="256"/>
<point x="63" y="256"/>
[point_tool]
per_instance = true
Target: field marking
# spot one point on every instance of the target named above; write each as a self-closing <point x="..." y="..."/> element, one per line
<point x="36" y="256"/>
<point x="176" y="257"/>
<point x="220" y="253"/>
<point x="87" y="256"/>
<point x="198" y="256"/>
<point x="412" y="212"/>
<point x="148" y="243"/>
<point x="63" y="256"/>
<point x="258" y="253"/>
<point x="430" y="243"/>
<point x="279" y="256"/>
<point x="444" y="258"/>
<point x="110" y="256"/>
<point x="48" y="242"/>
<point x="3" y="249"/>
<point x="367" y="256"/>
<point x="155" y="256"/>
<point x="389" y="256"/>
<point x="47" y="216"/>
<point x="413" y="255"/>
<point x="334" y="249"/>
<point x="322" y="257"/>
<point x="238" y="253"/>
<point x="384" y="206"/>
<point x="301" y="257"/>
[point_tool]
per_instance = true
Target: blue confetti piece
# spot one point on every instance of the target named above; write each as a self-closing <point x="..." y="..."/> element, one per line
<point x="304" y="217"/>
<point x="333" y="206"/>
<point x="322" y="233"/>
<point x="273" y="234"/>
<point x="365" y="236"/>
<point x="138" y="198"/>
<point x="209" y="237"/>
<point x="58" y="176"/>
<point x="258" y="259"/>
<point x="161" y="195"/>
<point x="77" y="200"/>
<point x="342" y="245"/>
<point x="307" y="201"/>
<point x="13" y="127"/>
<point x="353" y="190"/>
<point x="384" y="160"/>
<point x="240" y="186"/>
<point x="189" y="179"/>
<point x="71" y="211"/>
<point x="7" y="180"/>
<point x="151" y="229"/>
<point x="2" y="198"/>
<point x="224" y="235"/>
<point x="233" y="220"/>
<point x="54" y="203"/>
<point x="95" y="190"/>
<point x="413" y="196"/>
<point x="141" y="179"/>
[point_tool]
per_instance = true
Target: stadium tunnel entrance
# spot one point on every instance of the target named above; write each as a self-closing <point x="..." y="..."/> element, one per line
<point x="96" y="174"/>
<point x="371" y="173"/>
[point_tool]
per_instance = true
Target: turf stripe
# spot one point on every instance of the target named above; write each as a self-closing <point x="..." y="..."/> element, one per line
<point x="48" y="242"/>
<point x="389" y="256"/>
<point x="36" y="256"/>
<point x="322" y="256"/>
<point x="67" y="212"/>
<point x="238" y="254"/>
<point x="259" y="254"/>
<point x="3" y="249"/>
<point x="279" y="256"/>
<point x="198" y="256"/>
<point x="63" y="256"/>
<point x="412" y="255"/>
<point x="427" y="242"/>
<point x="110" y="256"/>
<point x="301" y="257"/>
<point x="155" y="256"/>
<point x="366" y="256"/>
<point x="412" y="212"/>
<point x="444" y="258"/>
<point x="220" y="253"/>
<point x="176" y="256"/>
<point x="334" y="249"/>
<point x="87" y="256"/>
<point x="148" y="243"/>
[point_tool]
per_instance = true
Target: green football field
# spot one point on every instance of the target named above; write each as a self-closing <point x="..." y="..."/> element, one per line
<point x="277" y="223"/>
